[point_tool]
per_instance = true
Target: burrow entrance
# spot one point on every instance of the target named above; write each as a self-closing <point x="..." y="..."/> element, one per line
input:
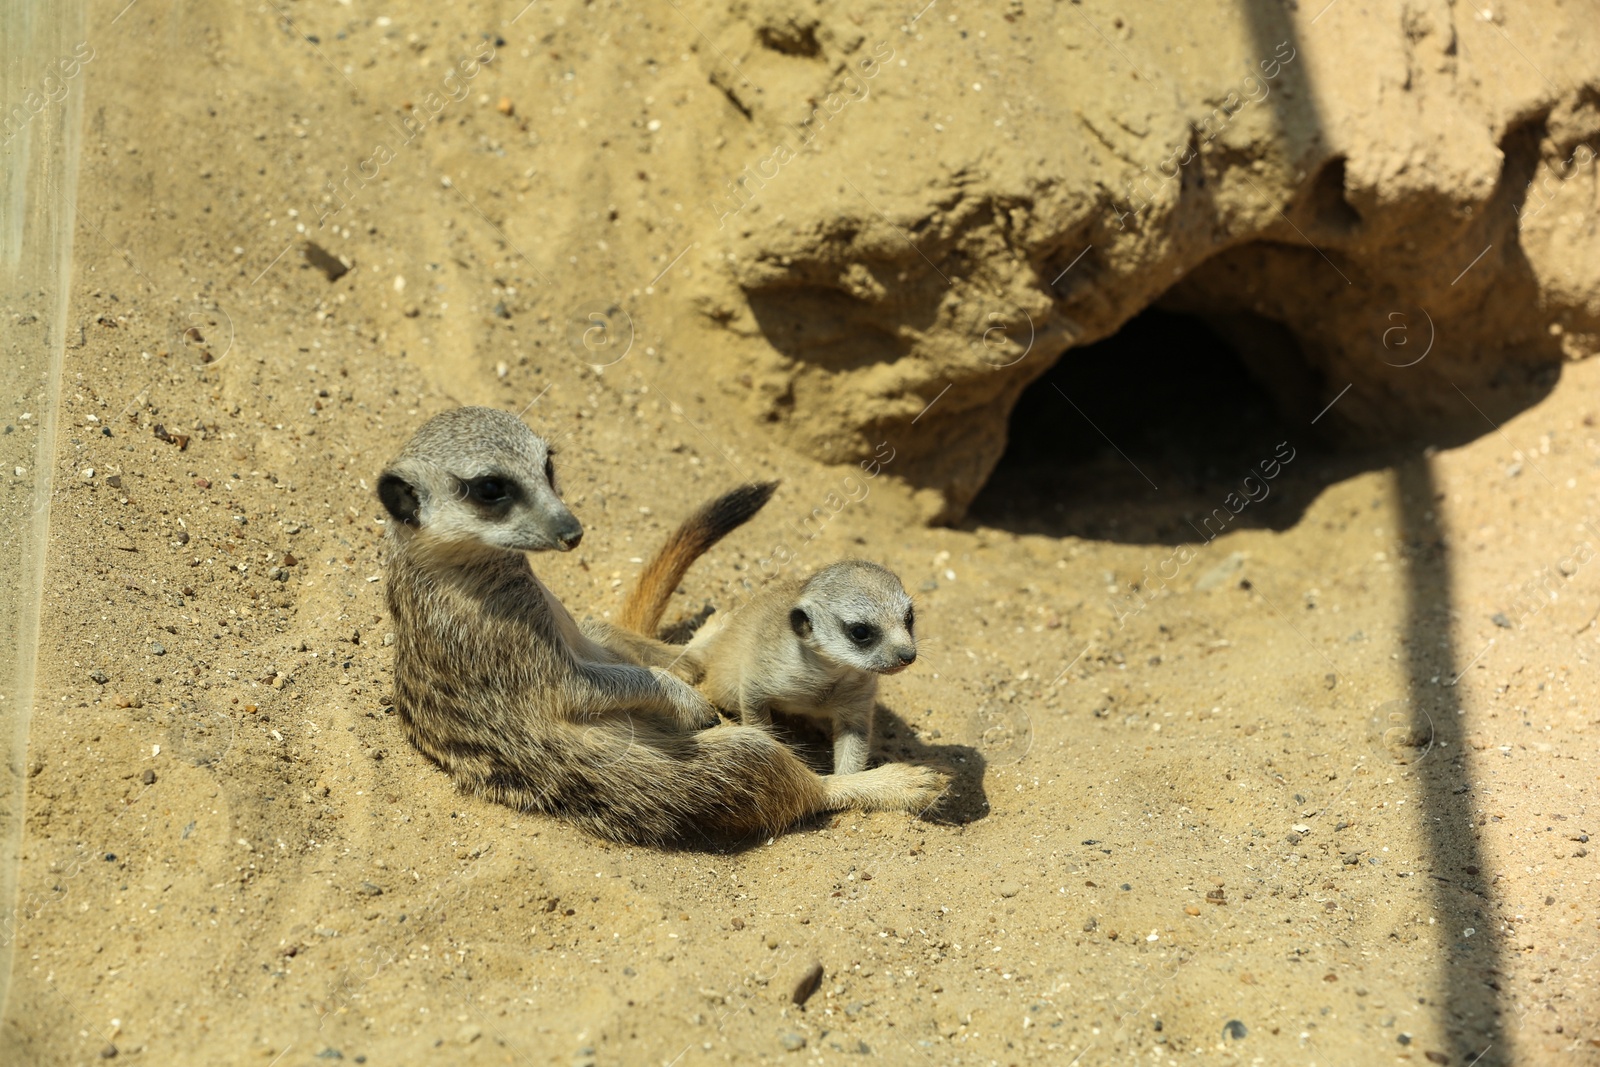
<point x="1140" y="436"/>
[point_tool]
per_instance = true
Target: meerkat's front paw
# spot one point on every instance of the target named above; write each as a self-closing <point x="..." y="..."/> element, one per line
<point x="691" y="710"/>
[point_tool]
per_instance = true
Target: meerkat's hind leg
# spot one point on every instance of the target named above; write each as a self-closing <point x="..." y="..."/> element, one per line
<point x="892" y="787"/>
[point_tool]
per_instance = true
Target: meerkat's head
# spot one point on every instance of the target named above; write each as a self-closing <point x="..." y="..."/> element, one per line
<point x="477" y="476"/>
<point x="857" y="614"/>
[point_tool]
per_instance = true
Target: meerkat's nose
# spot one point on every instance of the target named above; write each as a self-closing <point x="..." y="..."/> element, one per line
<point x="569" y="538"/>
<point x="908" y="656"/>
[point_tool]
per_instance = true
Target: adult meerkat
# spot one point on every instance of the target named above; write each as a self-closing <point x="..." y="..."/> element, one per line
<point x="810" y="647"/>
<point x="496" y="682"/>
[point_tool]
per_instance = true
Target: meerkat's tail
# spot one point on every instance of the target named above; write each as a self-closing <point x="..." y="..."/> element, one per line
<point x="709" y="524"/>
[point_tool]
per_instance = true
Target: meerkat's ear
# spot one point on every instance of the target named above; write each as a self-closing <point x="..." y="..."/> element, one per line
<point x="800" y="623"/>
<point x="399" y="498"/>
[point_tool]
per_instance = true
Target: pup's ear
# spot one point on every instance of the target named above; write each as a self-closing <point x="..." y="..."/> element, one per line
<point x="800" y="623"/>
<point x="399" y="498"/>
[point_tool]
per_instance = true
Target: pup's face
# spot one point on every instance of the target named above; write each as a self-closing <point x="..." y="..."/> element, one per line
<point x="479" y="476"/>
<point x="858" y="615"/>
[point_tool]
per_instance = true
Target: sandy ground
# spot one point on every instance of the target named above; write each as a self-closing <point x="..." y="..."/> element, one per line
<point x="1321" y="795"/>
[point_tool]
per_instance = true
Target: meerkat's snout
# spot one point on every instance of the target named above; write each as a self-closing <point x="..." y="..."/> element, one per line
<point x="568" y="539"/>
<point x="894" y="657"/>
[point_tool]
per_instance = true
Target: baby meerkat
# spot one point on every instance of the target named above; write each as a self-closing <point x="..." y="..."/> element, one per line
<point x="496" y="682"/>
<point x="813" y="648"/>
<point x="807" y="647"/>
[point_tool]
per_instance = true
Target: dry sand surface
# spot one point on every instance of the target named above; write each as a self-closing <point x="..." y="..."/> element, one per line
<point x="1317" y="793"/>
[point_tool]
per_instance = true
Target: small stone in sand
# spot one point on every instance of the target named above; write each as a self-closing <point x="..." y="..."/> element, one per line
<point x="807" y="983"/>
<point x="792" y="1041"/>
<point x="148" y="777"/>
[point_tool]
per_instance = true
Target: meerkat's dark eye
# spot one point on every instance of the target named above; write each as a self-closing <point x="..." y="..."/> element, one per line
<point x="550" y="471"/>
<point x="861" y="633"/>
<point x="910" y="617"/>
<point x="489" y="490"/>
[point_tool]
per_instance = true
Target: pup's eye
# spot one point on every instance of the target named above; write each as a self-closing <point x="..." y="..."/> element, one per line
<point x="860" y="633"/>
<point x="910" y="620"/>
<point x="550" y="471"/>
<point x="488" y="490"/>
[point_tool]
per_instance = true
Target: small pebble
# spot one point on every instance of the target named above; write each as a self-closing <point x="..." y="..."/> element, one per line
<point x="807" y="983"/>
<point x="792" y="1041"/>
<point x="1191" y="909"/>
<point x="1499" y="619"/>
<point x="148" y="777"/>
<point x="115" y="481"/>
<point x="1235" y="1029"/>
<point x="367" y="889"/>
<point x="505" y="106"/>
<point x="203" y="483"/>
<point x="109" y="1052"/>
<point x="1010" y="889"/>
<point x="157" y="648"/>
<point x="98" y="675"/>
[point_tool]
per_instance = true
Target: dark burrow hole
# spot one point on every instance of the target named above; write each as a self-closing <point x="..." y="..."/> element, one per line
<point x="1158" y="433"/>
